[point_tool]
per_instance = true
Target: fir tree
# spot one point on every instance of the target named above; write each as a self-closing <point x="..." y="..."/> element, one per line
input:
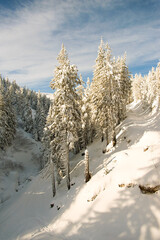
<point x="39" y="120"/>
<point x="7" y="118"/>
<point x="98" y="94"/>
<point x="66" y="113"/>
<point x="27" y="117"/>
<point x="86" y="117"/>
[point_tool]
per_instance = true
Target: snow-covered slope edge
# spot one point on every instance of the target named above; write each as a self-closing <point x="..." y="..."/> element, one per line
<point x="110" y="206"/>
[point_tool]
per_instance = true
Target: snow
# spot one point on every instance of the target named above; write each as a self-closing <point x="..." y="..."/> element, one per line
<point x="109" y="206"/>
<point x="49" y="95"/>
<point x="18" y="164"/>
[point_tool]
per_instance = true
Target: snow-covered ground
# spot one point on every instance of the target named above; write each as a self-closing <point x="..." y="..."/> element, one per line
<point x="110" y="206"/>
<point x="18" y="164"/>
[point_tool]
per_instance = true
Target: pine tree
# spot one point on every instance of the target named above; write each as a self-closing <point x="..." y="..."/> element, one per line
<point x="7" y="118"/>
<point x="147" y="88"/>
<point x="3" y="123"/>
<point x="78" y="145"/>
<point x="46" y="139"/>
<point x="98" y="93"/>
<point x="27" y="117"/>
<point x="152" y="86"/>
<point x="100" y="90"/>
<point x="11" y="118"/>
<point x="125" y="87"/>
<point x="110" y="93"/>
<point x="86" y="117"/>
<point x="136" y="83"/>
<point x="39" y="120"/>
<point x="66" y="113"/>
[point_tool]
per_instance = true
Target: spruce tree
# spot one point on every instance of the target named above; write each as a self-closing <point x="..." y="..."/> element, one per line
<point x="99" y="95"/>
<point x="86" y="117"/>
<point x="39" y="120"/>
<point x="7" y="118"/>
<point x="66" y="112"/>
<point x="101" y="92"/>
<point x="80" y="92"/>
<point x="27" y="117"/>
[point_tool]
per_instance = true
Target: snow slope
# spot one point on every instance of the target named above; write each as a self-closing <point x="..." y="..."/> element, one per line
<point x="110" y="206"/>
<point x="18" y="164"/>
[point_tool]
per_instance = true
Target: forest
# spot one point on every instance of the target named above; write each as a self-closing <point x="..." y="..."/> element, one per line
<point x="80" y="111"/>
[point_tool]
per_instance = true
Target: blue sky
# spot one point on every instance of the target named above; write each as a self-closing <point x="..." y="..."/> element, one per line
<point x="32" y="31"/>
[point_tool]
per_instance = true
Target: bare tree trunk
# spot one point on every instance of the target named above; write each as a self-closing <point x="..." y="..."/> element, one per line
<point x="87" y="173"/>
<point x="107" y="137"/>
<point x="114" y="140"/>
<point x="67" y="167"/>
<point x="58" y="175"/>
<point x="53" y="179"/>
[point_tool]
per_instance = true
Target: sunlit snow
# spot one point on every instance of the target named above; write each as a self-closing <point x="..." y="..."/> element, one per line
<point x="109" y="206"/>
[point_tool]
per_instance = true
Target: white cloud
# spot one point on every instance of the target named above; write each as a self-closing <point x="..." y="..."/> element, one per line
<point x="31" y="36"/>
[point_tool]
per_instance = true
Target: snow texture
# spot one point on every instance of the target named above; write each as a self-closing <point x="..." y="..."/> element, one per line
<point x="109" y="206"/>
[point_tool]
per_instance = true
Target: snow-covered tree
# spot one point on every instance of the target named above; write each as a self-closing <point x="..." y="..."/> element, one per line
<point x="99" y="94"/>
<point x="125" y="87"/>
<point x="7" y="118"/>
<point x="147" y="88"/>
<point x="79" y="144"/>
<point x="136" y="83"/>
<point x="47" y="137"/>
<point x="27" y="117"/>
<point x="65" y="112"/>
<point x="11" y="118"/>
<point x="3" y="122"/>
<point x="110" y="93"/>
<point x="86" y="117"/>
<point x="40" y="119"/>
<point x="152" y="86"/>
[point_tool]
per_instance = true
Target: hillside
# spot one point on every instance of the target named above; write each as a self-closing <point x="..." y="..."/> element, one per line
<point x="110" y="206"/>
<point x="18" y="164"/>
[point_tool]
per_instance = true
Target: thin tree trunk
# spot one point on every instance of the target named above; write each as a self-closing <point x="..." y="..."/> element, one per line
<point x="53" y="179"/>
<point x="114" y="140"/>
<point x="67" y="167"/>
<point x="87" y="174"/>
<point x="107" y="137"/>
<point x="58" y="175"/>
<point x="102" y="137"/>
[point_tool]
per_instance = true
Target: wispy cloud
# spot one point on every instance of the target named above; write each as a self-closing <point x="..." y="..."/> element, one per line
<point x="31" y="35"/>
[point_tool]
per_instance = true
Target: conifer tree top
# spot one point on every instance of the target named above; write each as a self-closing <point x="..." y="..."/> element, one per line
<point x="65" y="75"/>
<point x="63" y="56"/>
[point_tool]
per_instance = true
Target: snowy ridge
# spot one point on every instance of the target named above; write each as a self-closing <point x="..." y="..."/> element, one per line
<point x="109" y="206"/>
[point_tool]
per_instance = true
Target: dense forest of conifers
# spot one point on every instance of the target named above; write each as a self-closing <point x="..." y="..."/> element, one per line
<point x="79" y="112"/>
<point x="20" y="107"/>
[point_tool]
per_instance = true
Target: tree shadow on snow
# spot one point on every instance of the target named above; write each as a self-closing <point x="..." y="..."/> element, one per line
<point x="132" y="129"/>
<point x="126" y="220"/>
